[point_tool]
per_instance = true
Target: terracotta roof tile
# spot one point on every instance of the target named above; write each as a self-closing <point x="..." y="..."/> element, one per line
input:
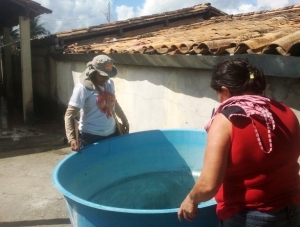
<point x="265" y="32"/>
<point x="195" y="10"/>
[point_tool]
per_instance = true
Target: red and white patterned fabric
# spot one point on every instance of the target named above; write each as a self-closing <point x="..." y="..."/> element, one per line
<point x="254" y="106"/>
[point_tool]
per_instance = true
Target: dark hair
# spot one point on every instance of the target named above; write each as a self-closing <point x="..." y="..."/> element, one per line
<point x="238" y="76"/>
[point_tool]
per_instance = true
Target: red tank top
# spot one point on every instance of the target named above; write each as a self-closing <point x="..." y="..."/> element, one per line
<point x="257" y="180"/>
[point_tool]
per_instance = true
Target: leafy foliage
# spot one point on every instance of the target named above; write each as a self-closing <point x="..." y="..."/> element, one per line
<point x="36" y="30"/>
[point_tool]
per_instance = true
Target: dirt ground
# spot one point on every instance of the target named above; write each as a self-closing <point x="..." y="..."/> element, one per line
<point x="28" y="156"/>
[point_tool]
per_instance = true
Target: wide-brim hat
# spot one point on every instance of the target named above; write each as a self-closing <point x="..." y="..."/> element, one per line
<point x="102" y="64"/>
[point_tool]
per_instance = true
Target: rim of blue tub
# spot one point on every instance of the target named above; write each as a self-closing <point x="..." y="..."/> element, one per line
<point x="77" y="199"/>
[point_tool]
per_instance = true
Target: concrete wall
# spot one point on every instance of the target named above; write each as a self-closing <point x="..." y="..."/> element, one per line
<point x="43" y="103"/>
<point x="164" y="98"/>
<point x="64" y="79"/>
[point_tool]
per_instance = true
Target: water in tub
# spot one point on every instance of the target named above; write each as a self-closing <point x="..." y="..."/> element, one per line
<point x="162" y="190"/>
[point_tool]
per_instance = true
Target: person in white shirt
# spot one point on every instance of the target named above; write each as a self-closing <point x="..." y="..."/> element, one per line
<point x="94" y="97"/>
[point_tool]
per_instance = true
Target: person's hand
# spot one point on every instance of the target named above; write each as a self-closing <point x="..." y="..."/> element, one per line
<point x="126" y="127"/>
<point x="188" y="209"/>
<point x="74" y="145"/>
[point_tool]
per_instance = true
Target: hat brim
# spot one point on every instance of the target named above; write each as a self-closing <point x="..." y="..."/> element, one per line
<point x="111" y="73"/>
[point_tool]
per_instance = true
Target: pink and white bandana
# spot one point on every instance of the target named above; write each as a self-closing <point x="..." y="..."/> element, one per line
<point x="253" y="105"/>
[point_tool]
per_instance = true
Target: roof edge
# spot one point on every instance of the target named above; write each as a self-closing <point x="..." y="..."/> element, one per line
<point x="201" y="8"/>
<point x="34" y="6"/>
<point x="273" y="65"/>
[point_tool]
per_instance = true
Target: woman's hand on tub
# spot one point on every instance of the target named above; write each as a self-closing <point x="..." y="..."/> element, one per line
<point x="188" y="209"/>
<point x="74" y="145"/>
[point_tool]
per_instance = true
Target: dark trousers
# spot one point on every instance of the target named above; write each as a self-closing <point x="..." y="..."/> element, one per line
<point x="285" y="217"/>
<point x="86" y="138"/>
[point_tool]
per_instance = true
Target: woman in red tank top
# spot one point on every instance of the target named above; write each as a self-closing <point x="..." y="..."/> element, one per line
<point x="251" y="157"/>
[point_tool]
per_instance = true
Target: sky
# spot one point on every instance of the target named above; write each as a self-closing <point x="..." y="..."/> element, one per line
<point x="68" y="15"/>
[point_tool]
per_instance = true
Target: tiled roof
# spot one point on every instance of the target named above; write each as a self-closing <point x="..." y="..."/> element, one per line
<point x="264" y="32"/>
<point x="162" y="19"/>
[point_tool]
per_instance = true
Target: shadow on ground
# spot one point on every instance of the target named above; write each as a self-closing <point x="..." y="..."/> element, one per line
<point x="48" y="222"/>
<point x="26" y="140"/>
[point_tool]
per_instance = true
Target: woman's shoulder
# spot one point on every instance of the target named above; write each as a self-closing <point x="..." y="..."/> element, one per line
<point x="109" y="86"/>
<point x="81" y="89"/>
<point x="232" y="110"/>
<point x="282" y="109"/>
<point x="278" y="105"/>
<point x="110" y="82"/>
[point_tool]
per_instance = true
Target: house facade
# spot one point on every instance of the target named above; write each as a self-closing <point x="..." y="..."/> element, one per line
<point x="164" y="65"/>
<point x="13" y="13"/>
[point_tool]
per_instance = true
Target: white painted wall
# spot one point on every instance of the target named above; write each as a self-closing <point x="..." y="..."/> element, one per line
<point x="165" y="98"/>
<point x="64" y="80"/>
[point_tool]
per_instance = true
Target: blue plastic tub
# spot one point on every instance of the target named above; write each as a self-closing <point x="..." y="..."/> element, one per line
<point x="134" y="180"/>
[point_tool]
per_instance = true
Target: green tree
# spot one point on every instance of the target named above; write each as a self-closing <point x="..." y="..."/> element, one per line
<point x="14" y="35"/>
<point x="37" y="29"/>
